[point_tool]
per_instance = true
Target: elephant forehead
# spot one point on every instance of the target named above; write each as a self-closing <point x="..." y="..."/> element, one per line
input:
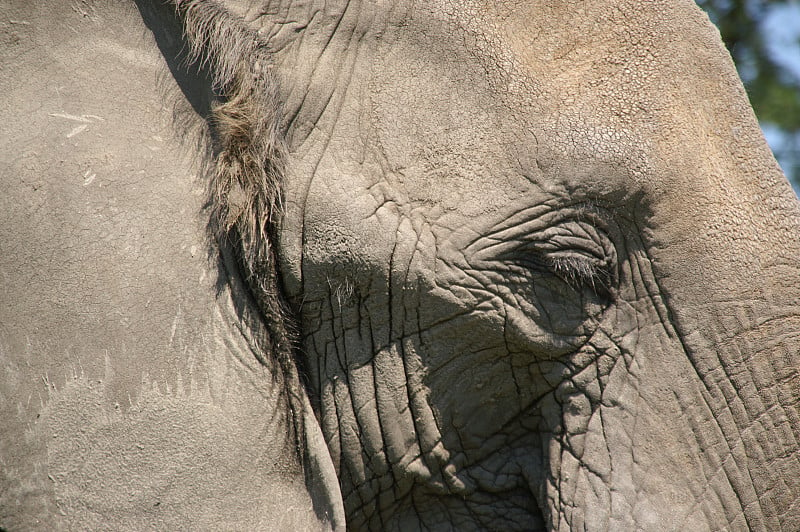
<point x="475" y="107"/>
<point x="446" y="139"/>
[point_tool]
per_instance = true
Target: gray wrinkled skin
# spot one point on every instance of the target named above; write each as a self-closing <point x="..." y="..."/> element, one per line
<point x="542" y="263"/>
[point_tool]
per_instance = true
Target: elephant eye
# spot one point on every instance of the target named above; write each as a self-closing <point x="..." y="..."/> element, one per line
<point x="577" y="252"/>
<point x="580" y="254"/>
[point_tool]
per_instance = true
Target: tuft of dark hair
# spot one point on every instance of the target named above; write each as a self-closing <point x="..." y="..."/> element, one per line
<point x="246" y="173"/>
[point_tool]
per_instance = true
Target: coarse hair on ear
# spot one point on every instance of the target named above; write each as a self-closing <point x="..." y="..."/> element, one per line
<point x="246" y="173"/>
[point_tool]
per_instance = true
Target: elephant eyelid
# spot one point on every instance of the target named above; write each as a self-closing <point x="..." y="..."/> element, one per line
<point x="577" y="267"/>
<point x="579" y="252"/>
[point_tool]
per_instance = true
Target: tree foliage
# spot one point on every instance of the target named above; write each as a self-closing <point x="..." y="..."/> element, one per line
<point x="772" y="85"/>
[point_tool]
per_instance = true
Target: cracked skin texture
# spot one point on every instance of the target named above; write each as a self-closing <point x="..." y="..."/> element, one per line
<point x="447" y="156"/>
<point x="543" y="264"/>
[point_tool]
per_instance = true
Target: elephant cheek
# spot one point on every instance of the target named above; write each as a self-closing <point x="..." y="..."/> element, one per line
<point x="631" y="443"/>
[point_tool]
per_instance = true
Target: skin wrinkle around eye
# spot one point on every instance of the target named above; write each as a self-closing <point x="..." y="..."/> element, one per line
<point x="469" y="458"/>
<point x="574" y="250"/>
<point x="577" y="251"/>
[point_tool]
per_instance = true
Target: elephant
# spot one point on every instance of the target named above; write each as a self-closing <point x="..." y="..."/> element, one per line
<point x="433" y="264"/>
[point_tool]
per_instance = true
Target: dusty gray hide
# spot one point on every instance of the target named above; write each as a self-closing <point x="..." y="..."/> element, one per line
<point x="494" y="265"/>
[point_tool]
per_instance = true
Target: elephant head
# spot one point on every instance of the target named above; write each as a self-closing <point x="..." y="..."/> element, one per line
<point x="531" y="262"/>
<point x="544" y="264"/>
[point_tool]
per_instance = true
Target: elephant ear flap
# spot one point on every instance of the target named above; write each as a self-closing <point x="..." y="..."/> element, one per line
<point x="321" y="479"/>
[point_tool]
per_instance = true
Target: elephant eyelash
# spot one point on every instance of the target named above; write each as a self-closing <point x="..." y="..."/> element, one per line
<point x="579" y="271"/>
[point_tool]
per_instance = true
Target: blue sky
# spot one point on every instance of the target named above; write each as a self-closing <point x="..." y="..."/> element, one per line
<point x="781" y="26"/>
